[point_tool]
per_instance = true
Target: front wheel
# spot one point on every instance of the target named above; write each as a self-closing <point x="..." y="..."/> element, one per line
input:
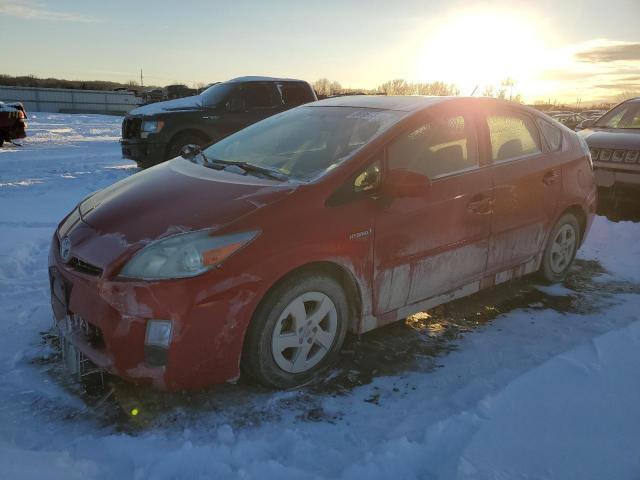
<point x="182" y="140"/>
<point x="297" y="331"/>
<point x="561" y="249"/>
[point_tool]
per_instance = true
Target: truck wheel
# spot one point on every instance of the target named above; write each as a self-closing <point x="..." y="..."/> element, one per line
<point x="561" y="249"/>
<point x="183" y="139"/>
<point x="297" y="331"/>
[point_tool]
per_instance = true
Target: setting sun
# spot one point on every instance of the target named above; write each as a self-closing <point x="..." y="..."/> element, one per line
<point x="481" y="48"/>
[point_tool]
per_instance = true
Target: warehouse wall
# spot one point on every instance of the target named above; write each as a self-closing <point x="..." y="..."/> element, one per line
<point x="59" y="100"/>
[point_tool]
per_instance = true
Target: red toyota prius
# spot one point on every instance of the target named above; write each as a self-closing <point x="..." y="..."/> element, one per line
<point x="261" y="252"/>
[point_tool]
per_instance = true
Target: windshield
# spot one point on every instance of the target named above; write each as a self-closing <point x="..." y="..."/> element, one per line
<point x="626" y="115"/>
<point x="305" y="142"/>
<point x="215" y="94"/>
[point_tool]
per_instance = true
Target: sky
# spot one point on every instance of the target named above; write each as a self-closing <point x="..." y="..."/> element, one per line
<point x="559" y="50"/>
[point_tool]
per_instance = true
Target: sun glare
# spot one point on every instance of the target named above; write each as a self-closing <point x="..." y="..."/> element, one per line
<point x="481" y="48"/>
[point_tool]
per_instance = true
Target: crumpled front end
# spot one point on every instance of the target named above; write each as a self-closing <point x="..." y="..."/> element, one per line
<point x="112" y="318"/>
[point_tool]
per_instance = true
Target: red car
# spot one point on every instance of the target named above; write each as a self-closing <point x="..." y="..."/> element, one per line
<point x="13" y="123"/>
<point x="261" y="252"/>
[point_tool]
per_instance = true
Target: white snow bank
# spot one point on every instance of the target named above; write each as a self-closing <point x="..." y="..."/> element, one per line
<point x="616" y="245"/>
<point x="576" y="416"/>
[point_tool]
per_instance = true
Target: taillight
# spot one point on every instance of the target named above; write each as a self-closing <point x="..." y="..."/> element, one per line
<point x="21" y="114"/>
<point x="586" y="150"/>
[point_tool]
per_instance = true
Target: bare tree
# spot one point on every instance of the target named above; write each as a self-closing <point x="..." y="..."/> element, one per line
<point x="326" y="87"/>
<point x="626" y="95"/>
<point x="400" y="86"/>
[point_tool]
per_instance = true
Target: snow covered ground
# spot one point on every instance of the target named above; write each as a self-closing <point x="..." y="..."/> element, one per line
<point x="538" y="383"/>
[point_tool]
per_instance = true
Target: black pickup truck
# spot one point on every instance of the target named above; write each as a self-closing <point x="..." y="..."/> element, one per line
<point x="157" y="132"/>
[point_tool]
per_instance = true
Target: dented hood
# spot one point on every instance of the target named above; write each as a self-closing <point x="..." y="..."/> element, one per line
<point x="173" y="197"/>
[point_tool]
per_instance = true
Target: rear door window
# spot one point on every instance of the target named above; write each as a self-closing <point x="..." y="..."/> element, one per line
<point x="294" y="94"/>
<point x="436" y="149"/>
<point x="258" y="96"/>
<point x="513" y="135"/>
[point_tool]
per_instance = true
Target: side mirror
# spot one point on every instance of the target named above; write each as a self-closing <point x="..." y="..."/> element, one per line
<point x="236" y="104"/>
<point x="368" y="180"/>
<point x="400" y="183"/>
<point x="189" y="151"/>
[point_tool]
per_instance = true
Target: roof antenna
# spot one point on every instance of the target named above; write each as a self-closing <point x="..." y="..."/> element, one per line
<point x="474" y="91"/>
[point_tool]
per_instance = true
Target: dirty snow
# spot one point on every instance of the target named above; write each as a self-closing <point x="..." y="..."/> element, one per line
<point x="536" y="393"/>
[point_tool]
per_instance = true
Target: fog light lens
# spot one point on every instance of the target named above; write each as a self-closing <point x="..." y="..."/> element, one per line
<point x="158" y="333"/>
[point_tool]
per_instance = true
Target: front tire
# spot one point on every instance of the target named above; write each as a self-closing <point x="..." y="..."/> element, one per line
<point x="183" y="139"/>
<point x="561" y="249"/>
<point x="297" y="331"/>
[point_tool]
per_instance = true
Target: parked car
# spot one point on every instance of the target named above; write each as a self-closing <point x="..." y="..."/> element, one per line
<point x="569" y="120"/>
<point x="260" y="252"/>
<point x="154" y="133"/>
<point x="13" y="123"/>
<point x="592" y="113"/>
<point x="614" y="140"/>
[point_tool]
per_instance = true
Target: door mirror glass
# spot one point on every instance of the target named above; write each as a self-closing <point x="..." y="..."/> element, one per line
<point x="400" y="183"/>
<point x="236" y="104"/>
<point x="368" y="180"/>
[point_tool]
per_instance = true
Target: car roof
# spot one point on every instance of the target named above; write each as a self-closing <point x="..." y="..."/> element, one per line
<point x="256" y="78"/>
<point x="404" y="103"/>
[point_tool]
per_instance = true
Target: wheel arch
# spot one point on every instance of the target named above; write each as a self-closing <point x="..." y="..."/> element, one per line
<point x="339" y="272"/>
<point x="187" y="131"/>
<point x="580" y="214"/>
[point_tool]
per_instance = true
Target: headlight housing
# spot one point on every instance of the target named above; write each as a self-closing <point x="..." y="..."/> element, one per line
<point x="151" y="126"/>
<point x="184" y="255"/>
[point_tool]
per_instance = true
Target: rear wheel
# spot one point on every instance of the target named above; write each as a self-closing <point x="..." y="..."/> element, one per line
<point x="297" y="331"/>
<point x="561" y="248"/>
<point x="183" y="139"/>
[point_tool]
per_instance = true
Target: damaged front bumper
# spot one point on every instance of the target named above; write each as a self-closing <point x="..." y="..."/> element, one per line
<point x="103" y="326"/>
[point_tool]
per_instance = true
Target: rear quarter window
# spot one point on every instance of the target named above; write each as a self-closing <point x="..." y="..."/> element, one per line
<point x="551" y="134"/>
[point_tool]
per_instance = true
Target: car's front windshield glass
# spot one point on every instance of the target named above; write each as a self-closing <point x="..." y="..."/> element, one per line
<point x="215" y="94"/>
<point x="626" y="115"/>
<point x="305" y="142"/>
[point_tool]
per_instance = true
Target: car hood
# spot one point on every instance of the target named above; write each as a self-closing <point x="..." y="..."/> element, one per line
<point x="178" y="104"/>
<point x="612" y="138"/>
<point x="173" y="197"/>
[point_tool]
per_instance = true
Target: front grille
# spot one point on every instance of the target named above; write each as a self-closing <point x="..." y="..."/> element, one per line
<point x="131" y="127"/>
<point x="84" y="267"/>
<point x="615" y="156"/>
<point x="77" y="325"/>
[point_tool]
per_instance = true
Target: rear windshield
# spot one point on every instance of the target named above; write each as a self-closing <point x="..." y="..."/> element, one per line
<point x="305" y="142"/>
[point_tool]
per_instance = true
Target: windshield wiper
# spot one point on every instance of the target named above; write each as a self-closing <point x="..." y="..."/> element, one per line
<point x="247" y="167"/>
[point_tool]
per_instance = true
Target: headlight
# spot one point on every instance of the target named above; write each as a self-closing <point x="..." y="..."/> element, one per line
<point x="184" y="255"/>
<point x="152" y="126"/>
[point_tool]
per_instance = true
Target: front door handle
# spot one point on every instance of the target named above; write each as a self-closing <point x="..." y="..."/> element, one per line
<point x="480" y="205"/>
<point x="550" y="177"/>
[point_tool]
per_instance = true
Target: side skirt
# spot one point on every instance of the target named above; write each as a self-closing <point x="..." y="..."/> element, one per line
<point x="371" y="322"/>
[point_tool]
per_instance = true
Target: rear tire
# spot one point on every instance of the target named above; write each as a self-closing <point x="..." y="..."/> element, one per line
<point x="561" y="249"/>
<point x="183" y="139"/>
<point x="297" y="331"/>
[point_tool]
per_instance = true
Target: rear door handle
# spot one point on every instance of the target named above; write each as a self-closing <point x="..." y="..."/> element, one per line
<point x="481" y="205"/>
<point x="550" y="177"/>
